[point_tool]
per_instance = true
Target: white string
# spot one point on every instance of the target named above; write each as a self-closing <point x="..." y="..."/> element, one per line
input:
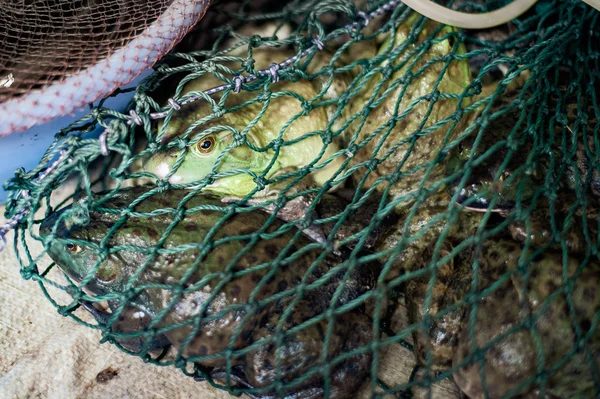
<point x="465" y="20"/>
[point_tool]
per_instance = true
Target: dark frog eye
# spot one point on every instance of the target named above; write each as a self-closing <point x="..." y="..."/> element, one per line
<point x="206" y="145"/>
<point x="73" y="248"/>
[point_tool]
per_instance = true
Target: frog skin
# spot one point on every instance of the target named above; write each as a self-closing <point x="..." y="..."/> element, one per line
<point x="453" y="277"/>
<point x="358" y="216"/>
<point x="514" y="359"/>
<point x="429" y="220"/>
<point x="483" y="181"/>
<point x="240" y="281"/>
<point x="131" y="321"/>
<point x="581" y="158"/>
<point x="536" y="229"/>
<point x="395" y="147"/>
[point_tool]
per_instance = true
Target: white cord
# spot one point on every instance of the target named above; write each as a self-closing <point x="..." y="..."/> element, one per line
<point x="465" y="20"/>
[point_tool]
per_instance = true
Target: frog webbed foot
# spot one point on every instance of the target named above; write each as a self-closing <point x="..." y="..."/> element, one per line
<point x="129" y="321"/>
<point x="238" y="381"/>
<point x="291" y="211"/>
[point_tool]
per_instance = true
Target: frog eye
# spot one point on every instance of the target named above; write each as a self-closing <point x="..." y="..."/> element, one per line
<point x="73" y="248"/>
<point x="206" y="145"/>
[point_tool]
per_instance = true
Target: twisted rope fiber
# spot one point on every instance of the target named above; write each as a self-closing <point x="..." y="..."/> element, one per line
<point x="553" y="113"/>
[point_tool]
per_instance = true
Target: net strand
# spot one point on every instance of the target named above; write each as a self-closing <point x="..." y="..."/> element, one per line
<point x="468" y="183"/>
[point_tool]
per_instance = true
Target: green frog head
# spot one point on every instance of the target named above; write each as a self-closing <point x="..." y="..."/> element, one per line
<point x="215" y="152"/>
<point x="257" y="134"/>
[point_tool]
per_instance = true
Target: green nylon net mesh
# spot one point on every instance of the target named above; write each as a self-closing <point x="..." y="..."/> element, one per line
<point x="398" y="187"/>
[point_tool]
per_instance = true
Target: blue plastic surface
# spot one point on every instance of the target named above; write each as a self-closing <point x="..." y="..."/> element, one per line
<point x="25" y="149"/>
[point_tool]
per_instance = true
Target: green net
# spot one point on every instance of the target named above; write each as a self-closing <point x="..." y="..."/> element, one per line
<point x="363" y="182"/>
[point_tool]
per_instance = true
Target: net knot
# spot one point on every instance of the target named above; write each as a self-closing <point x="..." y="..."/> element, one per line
<point x="387" y="72"/>
<point x="280" y="202"/>
<point x="80" y="214"/>
<point x="561" y="119"/>
<point x="238" y="81"/>
<point x="261" y="182"/>
<point x="255" y="41"/>
<point x="327" y="137"/>
<point x="27" y="273"/>
<point x="162" y="186"/>
<point x="394" y="177"/>
<point x="407" y="78"/>
<point x="135" y="118"/>
<point x="434" y="96"/>
<point x="582" y="117"/>
<point x="277" y="144"/>
<point x="372" y="164"/>
<point x="307" y="107"/>
<point x="248" y="65"/>
<point x="96" y="113"/>
<point x="304" y="223"/>
<point x="264" y="96"/>
<point x="209" y="66"/>
<point x="152" y="147"/>
<point x="174" y="104"/>
<point x="218" y="111"/>
<point x="350" y="151"/>
<point x="239" y="139"/>
<point x="180" y="143"/>
<point x="458" y="114"/>
<point x="274" y="71"/>
<point x="343" y="99"/>
<point x="474" y="89"/>
<point x="179" y="215"/>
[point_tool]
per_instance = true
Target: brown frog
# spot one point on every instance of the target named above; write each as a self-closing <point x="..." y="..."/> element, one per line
<point x="205" y="298"/>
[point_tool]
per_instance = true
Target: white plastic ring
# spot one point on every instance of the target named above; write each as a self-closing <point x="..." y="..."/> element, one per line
<point x="464" y="20"/>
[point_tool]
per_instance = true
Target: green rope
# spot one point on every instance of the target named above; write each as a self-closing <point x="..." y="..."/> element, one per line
<point x="447" y="178"/>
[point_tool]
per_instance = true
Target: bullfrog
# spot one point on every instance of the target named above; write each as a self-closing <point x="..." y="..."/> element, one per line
<point x="436" y="340"/>
<point x="536" y="296"/>
<point x="270" y="145"/>
<point x="260" y="124"/>
<point x="402" y="129"/>
<point x="442" y="342"/>
<point x="224" y="297"/>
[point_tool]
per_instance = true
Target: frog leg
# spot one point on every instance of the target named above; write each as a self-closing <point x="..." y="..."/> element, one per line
<point x="292" y="210"/>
